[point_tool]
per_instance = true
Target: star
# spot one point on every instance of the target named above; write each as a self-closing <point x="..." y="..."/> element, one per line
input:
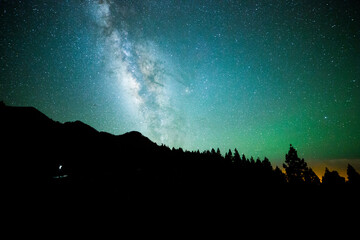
<point x="191" y="75"/>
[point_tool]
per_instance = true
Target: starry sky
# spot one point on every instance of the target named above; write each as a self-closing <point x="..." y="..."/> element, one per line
<point x="251" y="75"/>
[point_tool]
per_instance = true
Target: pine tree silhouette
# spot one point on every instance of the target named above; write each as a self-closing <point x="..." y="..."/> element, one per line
<point x="229" y="156"/>
<point x="353" y="175"/>
<point x="237" y="159"/>
<point x="295" y="167"/>
<point x="332" y="178"/>
<point x="311" y="177"/>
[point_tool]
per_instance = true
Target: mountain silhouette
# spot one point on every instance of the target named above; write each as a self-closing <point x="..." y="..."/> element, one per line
<point x="35" y="147"/>
<point x="72" y="165"/>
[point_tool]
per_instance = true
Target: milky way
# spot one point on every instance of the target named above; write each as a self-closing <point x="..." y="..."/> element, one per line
<point x="251" y="75"/>
<point x="143" y="76"/>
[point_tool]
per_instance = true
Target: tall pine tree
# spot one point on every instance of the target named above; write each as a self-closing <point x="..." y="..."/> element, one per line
<point x="296" y="169"/>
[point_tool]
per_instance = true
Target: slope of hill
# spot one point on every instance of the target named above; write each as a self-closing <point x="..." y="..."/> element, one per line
<point x="42" y="158"/>
<point x="36" y="149"/>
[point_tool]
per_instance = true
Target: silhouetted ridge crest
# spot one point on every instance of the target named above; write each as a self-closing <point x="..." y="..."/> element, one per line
<point x="80" y="127"/>
<point x="133" y="134"/>
<point x="136" y="137"/>
<point x="24" y="116"/>
<point x="74" y="158"/>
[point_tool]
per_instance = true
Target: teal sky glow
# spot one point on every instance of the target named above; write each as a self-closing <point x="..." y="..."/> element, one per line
<point x="255" y="75"/>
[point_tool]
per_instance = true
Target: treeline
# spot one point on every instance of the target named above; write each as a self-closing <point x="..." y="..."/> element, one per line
<point x="240" y="170"/>
<point x="39" y="153"/>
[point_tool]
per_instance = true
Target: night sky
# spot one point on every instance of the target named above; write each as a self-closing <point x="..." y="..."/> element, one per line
<point x="251" y="75"/>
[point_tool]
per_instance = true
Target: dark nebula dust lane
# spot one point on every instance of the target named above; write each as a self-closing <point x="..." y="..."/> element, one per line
<point x="255" y="76"/>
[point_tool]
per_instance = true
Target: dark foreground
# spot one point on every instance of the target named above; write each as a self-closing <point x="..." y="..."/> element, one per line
<point x="57" y="174"/>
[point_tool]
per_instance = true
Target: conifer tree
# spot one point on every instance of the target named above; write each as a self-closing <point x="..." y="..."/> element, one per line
<point x="237" y="159"/>
<point x="332" y="178"/>
<point x="229" y="156"/>
<point x="353" y="175"/>
<point x="295" y="168"/>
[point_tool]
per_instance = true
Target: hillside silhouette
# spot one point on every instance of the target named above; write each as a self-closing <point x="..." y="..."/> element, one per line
<point x="70" y="162"/>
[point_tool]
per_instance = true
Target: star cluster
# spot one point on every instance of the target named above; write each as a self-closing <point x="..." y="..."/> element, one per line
<point x="255" y="75"/>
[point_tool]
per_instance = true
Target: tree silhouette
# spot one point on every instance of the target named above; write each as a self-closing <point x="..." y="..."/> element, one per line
<point x="229" y="156"/>
<point x="353" y="175"/>
<point x="237" y="159"/>
<point x="311" y="177"/>
<point x="297" y="171"/>
<point x="243" y="160"/>
<point x="279" y="176"/>
<point x="332" y="178"/>
<point x="252" y="162"/>
<point x="266" y="164"/>
<point x="218" y="152"/>
<point x="213" y="153"/>
<point x="295" y="167"/>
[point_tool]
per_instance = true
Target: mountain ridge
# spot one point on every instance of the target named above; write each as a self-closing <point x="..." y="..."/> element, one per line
<point x="35" y="146"/>
<point x="15" y="114"/>
<point x="72" y="160"/>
